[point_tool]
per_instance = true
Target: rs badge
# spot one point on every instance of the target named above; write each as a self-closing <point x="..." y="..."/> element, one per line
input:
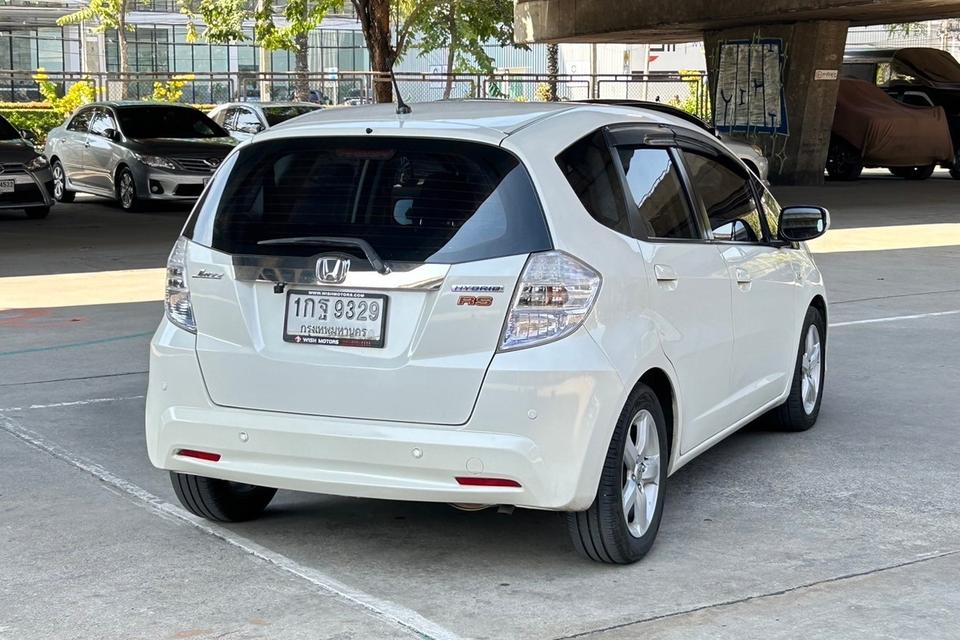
<point x="475" y="301"/>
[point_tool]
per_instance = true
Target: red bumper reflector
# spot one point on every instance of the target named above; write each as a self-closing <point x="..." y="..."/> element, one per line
<point x="201" y="455"/>
<point x="472" y="481"/>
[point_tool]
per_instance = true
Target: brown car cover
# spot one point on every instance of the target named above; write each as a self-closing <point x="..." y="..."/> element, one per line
<point x="934" y="67"/>
<point x="889" y="133"/>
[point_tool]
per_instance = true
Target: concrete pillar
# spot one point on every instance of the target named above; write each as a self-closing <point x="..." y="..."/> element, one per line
<point x="812" y="53"/>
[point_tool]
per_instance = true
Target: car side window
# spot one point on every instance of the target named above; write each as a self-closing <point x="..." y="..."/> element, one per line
<point x="81" y="121"/>
<point x="247" y="121"/>
<point x="226" y="119"/>
<point x="591" y="171"/>
<point x="657" y="191"/>
<point x="101" y="121"/>
<point x="727" y="196"/>
<point x="771" y="210"/>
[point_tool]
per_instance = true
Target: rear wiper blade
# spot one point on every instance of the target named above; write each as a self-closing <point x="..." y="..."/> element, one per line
<point x="372" y="256"/>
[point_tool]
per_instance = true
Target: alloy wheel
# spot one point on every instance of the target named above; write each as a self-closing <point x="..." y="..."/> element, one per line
<point x="127" y="190"/>
<point x="810" y="365"/>
<point x="58" y="181"/>
<point x="641" y="473"/>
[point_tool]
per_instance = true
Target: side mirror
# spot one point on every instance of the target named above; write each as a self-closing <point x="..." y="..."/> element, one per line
<point x="799" y="224"/>
<point x="111" y="134"/>
<point x="26" y="134"/>
<point x="252" y="128"/>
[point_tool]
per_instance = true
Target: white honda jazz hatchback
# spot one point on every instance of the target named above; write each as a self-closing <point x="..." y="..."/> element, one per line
<point x="551" y="306"/>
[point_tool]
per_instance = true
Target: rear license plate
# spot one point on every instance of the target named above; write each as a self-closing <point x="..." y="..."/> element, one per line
<point x="338" y="318"/>
<point x="7" y="186"/>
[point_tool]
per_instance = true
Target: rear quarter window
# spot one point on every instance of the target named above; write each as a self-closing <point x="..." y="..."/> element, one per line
<point x="589" y="167"/>
<point x="413" y="200"/>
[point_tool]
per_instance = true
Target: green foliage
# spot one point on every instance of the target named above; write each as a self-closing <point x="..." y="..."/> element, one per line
<point x="696" y="102"/>
<point x="464" y="26"/>
<point x="172" y="89"/>
<point x="108" y="14"/>
<point x="223" y="20"/>
<point x="39" y="121"/>
<point x="78" y="94"/>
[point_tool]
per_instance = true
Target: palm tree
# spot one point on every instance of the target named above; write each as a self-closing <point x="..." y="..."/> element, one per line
<point x="553" y="68"/>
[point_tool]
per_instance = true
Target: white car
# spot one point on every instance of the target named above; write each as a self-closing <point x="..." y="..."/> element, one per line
<point x="552" y="306"/>
<point x="243" y="120"/>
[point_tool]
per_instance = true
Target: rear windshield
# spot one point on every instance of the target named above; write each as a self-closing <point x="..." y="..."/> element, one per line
<point x="167" y="122"/>
<point x="413" y="200"/>
<point x="276" y="115"/>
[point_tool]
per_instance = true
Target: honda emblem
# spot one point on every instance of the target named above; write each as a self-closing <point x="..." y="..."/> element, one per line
<point x="332" y="270"/>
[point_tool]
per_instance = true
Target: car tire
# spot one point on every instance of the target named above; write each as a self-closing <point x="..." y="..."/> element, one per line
<point x="844" y="161"/>
<point x="126" y="189"/>
<point x="913" y="173"/>
<point x="801" y="409"/>
<point x="37" y="213"/>
<point x="220" y="500"/>
<point x="60" y="191"/>
<point x="608" y="531"/>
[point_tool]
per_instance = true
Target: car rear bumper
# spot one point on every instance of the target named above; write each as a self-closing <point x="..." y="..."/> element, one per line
<point x="543" y="426"/>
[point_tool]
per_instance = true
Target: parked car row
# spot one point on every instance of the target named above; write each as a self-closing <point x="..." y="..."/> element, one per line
<point x="135" y="152"/>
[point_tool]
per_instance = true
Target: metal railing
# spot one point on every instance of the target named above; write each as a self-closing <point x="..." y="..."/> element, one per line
<point x="687" y="90"/>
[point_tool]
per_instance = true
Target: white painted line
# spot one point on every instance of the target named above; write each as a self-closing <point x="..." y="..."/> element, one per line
<point x="378" y="608"/>
<point x="915" y="316"/>
<point x="74" y="403"/>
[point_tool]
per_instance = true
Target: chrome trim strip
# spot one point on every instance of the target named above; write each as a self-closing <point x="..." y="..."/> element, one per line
<point x="297" y="270"/>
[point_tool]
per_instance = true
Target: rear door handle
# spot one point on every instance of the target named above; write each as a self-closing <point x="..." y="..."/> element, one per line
<point x="664" y="273"/>
<point x="743" y="277"/>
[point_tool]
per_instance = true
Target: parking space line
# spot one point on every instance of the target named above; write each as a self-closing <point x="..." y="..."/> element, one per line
<point x="73" y="403"/>
<point x="69" y="345"/>
<point x="915" y="316"/>
<point x="382" y="609"/>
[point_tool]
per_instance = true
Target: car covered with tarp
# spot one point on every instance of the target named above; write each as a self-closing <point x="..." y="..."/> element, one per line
<point x="871" y="129"/>
<point x="919" y="76"/>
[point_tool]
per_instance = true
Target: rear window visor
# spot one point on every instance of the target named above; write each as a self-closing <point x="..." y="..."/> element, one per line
<point x="412" y="199"/>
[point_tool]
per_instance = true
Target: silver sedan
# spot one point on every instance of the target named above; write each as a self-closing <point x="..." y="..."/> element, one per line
<point x="135" y="151"/>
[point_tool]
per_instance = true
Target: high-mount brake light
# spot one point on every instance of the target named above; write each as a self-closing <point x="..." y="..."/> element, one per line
<point x="554" y="296"/>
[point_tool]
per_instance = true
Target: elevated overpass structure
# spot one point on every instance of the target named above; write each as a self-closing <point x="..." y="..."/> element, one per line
<point x="773" y="65"/>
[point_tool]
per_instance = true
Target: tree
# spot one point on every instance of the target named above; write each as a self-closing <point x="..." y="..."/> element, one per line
<point x="108" y="14"/>
<point x="553" y="69"/>
<point x="374" y="16"/>
<point x="223" y="22"/>
<point x="463" y="27"/>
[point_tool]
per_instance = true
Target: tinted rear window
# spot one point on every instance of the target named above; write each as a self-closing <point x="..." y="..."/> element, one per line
<point x="413" y="200"/>
<point x="167" y="122"/>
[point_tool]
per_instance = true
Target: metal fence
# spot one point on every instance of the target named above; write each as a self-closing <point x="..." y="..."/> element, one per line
<point x="687" y="90"/>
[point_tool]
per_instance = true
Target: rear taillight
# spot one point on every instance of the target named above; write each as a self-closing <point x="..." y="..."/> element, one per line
<point x="555" y="293"/>
<point x="177" y="296"/>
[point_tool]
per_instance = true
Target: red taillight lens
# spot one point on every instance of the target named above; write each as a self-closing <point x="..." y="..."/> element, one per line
<point x="471" y="481"/>
<point x="200" y="455"/>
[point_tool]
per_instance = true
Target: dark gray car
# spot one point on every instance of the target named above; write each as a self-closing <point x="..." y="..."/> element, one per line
<point x="25" y="179"/>
<point x="135" y="151"/>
